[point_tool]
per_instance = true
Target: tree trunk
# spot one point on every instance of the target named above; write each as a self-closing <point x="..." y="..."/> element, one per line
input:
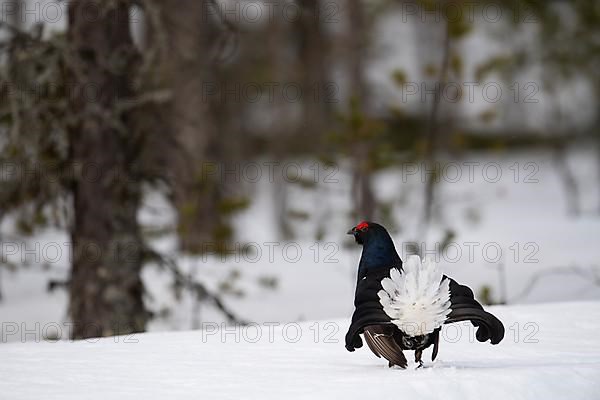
<point x="106" y="290"/>
<point x="362" y="191"/>
<point x="312" y="54"/>
<point x="357" y="38"/>
<point x="190" y="116"/>
<point x="433" y="134"/>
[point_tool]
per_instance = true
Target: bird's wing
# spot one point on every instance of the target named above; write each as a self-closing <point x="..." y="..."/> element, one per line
<point x="466" y="308"/>
<point x="436" y="344"/>
<point x="380" y="339"/>
<point x="368" y="309"/>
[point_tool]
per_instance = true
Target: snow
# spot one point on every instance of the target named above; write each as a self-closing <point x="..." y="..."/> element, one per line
<point x="550" y="352"/>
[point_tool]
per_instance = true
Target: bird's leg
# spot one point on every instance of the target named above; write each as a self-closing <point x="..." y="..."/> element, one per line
<point x="418" y="354"/>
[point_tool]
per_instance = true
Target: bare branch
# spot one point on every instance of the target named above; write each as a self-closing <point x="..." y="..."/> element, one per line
<point x="592" y="274"/>
<point x="188" y="282"/>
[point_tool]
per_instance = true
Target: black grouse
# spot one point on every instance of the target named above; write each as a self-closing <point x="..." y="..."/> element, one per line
<point x="402" y="307"/>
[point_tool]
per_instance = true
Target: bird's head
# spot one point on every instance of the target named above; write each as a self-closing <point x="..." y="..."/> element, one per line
<point x="366" y="231"/>
<point x="359" y="232"/>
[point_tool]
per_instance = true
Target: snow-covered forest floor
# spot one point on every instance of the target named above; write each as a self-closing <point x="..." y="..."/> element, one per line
<point x="550" y="351"/>
<point x="523" y="213"/>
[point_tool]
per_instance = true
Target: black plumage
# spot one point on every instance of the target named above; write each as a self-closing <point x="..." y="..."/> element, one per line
<point x="383" y="337"/>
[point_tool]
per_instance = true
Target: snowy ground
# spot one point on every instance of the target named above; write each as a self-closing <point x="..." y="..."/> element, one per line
<point x="550" y="351"/>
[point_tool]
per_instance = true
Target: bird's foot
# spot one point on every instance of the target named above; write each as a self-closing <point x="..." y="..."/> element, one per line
<point x="418" y="360"/>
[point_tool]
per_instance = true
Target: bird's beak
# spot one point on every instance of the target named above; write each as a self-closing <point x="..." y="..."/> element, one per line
<point x="351" y="231"/>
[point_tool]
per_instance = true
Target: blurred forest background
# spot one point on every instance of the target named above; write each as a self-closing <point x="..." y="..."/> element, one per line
<point x="150" y="149"/>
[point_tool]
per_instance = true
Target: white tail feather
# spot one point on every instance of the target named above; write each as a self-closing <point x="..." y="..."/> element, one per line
<point x="417" y="300"/>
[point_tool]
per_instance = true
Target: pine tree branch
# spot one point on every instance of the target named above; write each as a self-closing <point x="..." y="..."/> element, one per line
<point x="198" y="288"/>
